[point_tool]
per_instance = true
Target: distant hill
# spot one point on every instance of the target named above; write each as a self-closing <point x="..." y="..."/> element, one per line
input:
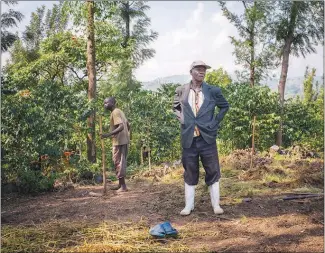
<point x="155" y="84"/>
<point x="294" y="86"/>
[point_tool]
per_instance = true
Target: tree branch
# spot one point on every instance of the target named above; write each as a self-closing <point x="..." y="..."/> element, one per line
<point x="244" y="4"/>
<point x="131" y="3"/>
<point x="80" y="78"/>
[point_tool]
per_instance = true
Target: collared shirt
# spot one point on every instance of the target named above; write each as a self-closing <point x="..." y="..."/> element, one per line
<point x="195" y="99"/>
<point x="123" y="137"/>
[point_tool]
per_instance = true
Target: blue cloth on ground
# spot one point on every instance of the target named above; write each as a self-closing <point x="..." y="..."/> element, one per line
<point x="163" y="230"/>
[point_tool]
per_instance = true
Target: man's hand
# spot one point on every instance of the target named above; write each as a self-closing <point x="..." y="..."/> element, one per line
<point x="102" y="136"/>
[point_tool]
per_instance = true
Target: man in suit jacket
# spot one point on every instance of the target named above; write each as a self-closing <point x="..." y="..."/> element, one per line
<point x="194" y="106"/>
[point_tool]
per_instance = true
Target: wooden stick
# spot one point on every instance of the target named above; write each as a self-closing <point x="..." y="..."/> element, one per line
<point x="224" y="218"/>
<point x="103" y="155"/>
<point x="149" y="158"/>
<point x="94" y="194"/>
<point x="302" y="196"/>
<point x="253" y="143"/>
<point x="301" y="193"/>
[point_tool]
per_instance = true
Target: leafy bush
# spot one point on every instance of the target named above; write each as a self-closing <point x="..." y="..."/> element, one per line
<point x="34" y="182"/>
<point x="304" y="124"/>
<point x="246" y="102"/>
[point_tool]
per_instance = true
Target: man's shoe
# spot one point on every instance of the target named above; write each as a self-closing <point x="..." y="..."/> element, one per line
<point x="122" y="189"/>
<point x="215" y="198"/>
<point x="114" y="188"/>
<point x="189" y="199"/>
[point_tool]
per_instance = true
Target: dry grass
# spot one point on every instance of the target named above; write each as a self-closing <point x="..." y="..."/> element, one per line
<point x="312" y="172"/>
<point x="50" y="237"/>
<point x="109" y="236"/>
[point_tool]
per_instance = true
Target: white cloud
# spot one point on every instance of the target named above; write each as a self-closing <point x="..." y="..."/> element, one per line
<point x="196" y="17"/>
<point x="190" y="31"/>
<point x="226" y="29"/>
<point x="218" y="18"/>
<point x="151" y="65"/>
<point x="221" y="38"/>
<point x="183" y="35"/>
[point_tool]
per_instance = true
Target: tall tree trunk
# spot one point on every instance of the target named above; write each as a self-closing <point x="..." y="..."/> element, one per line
<point x="284" y="69"/>
<point x="252" y="82"/>
<point x="281" y="87"/>
<point x="252" y="79"/>
<point x="253" y="142"/>
<point x="252" y="64"/>
<point x="91" y="72"/>
<point x="149" y="158"/>
<point x="141" y="155"/>
<point x="285" y="65"/>
<point x="127" y="21"/>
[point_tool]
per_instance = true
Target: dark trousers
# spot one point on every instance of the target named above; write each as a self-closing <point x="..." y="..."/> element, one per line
<point x="209" y="158"/>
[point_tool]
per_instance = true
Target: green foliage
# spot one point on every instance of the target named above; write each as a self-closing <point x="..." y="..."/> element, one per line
<point x="218" y="77"/>
<point x="56" y="19"/>
<point x="108" y="44"/>
<point x="45" y="23"/>
<point x="83" y="165"/>
<point x="296" y="27"/>
<point x="304" y="118"/>
<point x="132" y="20"/>
<point x="58" y="56"/>
<point x="104" y="10"/>
<point x="9" y="19"/>
<point x="298" y="22"/>
<point x="37" y="123"/>
<point x="304" y="123"/>
<point x="245" y="102"/>
<point x="152" y="121"/>
<point x="34" y="182"/>
<point x="253" y="49"/>
<point x="309" y="92"/>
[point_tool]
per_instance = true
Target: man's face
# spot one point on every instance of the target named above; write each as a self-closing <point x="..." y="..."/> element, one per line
<point x="198" y="73"/>
<point x="108" y="104"/>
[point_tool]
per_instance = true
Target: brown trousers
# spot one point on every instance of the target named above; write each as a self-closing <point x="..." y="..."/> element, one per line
<point x="120" y="153"/>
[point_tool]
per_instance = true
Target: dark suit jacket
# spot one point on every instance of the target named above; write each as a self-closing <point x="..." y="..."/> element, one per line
<point x="205" y="120"/>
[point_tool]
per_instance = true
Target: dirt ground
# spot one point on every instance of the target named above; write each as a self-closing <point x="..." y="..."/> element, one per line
<point x="267" y="223"/>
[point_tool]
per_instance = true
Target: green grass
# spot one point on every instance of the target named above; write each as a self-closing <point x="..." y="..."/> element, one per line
<point x="271" y="177"/>
<point x="279" y="157"/>
<point x="243" y="219"/>
<point x="307" y="188"/>
<point x="237" y="189"/>
<point x="227" y="172"/>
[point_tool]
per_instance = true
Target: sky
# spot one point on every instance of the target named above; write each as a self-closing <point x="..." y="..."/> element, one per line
<point x="188" y="31"/>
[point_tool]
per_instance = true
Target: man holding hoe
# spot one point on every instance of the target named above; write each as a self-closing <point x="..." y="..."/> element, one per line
<point x="120" y="134"/>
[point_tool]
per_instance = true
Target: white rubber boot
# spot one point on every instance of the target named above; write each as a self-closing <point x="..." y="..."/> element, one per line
<point x="189" y="199"/>
<point x="215" y="198"/>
